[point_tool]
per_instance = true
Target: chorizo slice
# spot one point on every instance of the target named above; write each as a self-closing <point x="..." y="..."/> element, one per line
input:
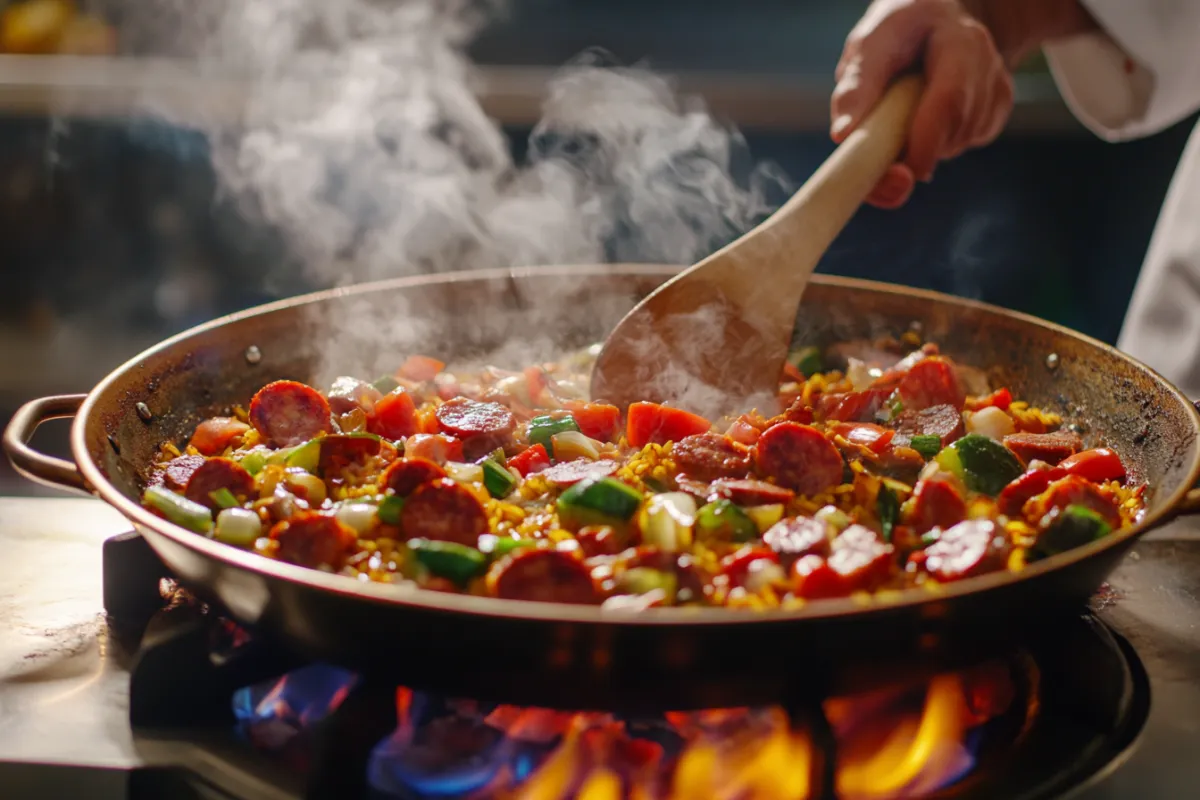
<point x="466" y="418"/>
<point x="936" y="503"/>
<point x="212" y="436"/>
<point x="943" y="421"/>
<point x="931" y="382"/>
<point x="569" y="473"/>
<point x="178" y="471"/>
<point x="548" y="576"/>
<point x="314" y="540"/>
<point x="853" y="406"/>
<point x="1049" y="447"/>
<point x="797" y="537"/>
<point x="798" y="457"/>
<point x="859" y="561"/>
<point x="970" y="548"/>
<point x="288" y="413"/>
<point x="445" y="511"/>
<point x="749" y="492"/>
<point x="215" y="474"/>
<point x="706" y="456"/>
<point x="404" y="475"/>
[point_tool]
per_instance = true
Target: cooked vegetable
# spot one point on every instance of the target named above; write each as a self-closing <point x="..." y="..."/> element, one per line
<point x="178" y="509"/>
<point x="499" y="546"/>
<point x="306" y="457"/>
<point x="644" y="580"/>
<point x="1100" y="464"/>
<point x="889" y="511"/>
<point x="253" y="460"/>
<point x="806" y="360"/>
<point x="765" y="516"/>
<point x="721" y="520"/>
<point x="983" y="464"/>
<point x="223" y="498"/>
<point x="651" y="423"/>
<point x="570" y="445"/>
<point x="497" y="479"/>
<point x="927" y="445"/>
<point x="359" y="517"/>
<point x="991" y="422"/>
<point x="450" y="560"/>
<point x="666" y="521"/>
<point x="542" y="429"/>
<point x="598" y="501"/>
<point x="239" y="527"/>
<point x="1072" y="527"/>
<point x="386" y="384"/>
<point x="390" y="508"/>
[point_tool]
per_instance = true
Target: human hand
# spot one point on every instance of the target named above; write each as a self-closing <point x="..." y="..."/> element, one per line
<point x="968" y="89"/>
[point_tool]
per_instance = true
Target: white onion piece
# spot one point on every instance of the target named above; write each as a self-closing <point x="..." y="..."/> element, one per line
<point x="570" y="445"/>
<point x="990" y="422"/>
<point x="859" y="374"/>
<point x="358" y="517"/>
<point x="762" y="573"/>
<point x="465" y="473"/>
<point x="667" y="521"/>
<point x="238" y="526"/>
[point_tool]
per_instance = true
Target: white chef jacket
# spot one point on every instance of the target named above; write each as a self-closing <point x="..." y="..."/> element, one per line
<point x="1140" y="76"/>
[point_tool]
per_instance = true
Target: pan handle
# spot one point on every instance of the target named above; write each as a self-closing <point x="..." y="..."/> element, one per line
<point x="36" y="466"/>
<point x="1190" y="504"/>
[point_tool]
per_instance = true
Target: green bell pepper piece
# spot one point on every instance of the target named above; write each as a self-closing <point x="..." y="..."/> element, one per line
<point x="927" y="445"/>
<point x="1074" y="526"/>
<point x="724" y="521"/>
<point x="450" y="560"/>
<point x="544" y="427"/>
<point x="598" y="501"/>
<point x="389" y="509"/>
<point x="985" y="465"/>
<point x="498" y="481"/>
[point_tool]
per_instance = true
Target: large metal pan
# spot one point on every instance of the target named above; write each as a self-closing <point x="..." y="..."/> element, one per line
<point x="551" y="654"/>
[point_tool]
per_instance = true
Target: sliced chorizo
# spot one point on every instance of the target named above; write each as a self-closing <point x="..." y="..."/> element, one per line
<point x="404" y="475"/>
<point x="859" y="561"/>
<point x="1049" y="447"/>
<point x="215" y="474"/>
<point x="548" y="576"/>
<point x="798" y="457"/>
<point x="706" y="456"/>
<point x="569" y="473"/>
<point x="179" y="471"/>
<point x="748" y="492"/>
<point x="931" y="382"/>
<point x="968" y="549"/>
<point x="1074" y="490"/>
<point x="936" y="503"/>
<point x="853" y="406"/>
<point x="465" y="418"/>
<point x="796" y="537"/>
<point x="212" y="436"/>
<point x="289" y="413"/>
<point x="943" y="421"/>
<point x="314" y="540"/>
<point x="445" y="511"/>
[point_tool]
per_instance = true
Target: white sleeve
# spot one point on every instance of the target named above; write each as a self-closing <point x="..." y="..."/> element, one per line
<point x="1138" y="76"/>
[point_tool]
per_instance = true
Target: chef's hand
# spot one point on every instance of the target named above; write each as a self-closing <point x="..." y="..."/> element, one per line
<point x="968" y="94"/>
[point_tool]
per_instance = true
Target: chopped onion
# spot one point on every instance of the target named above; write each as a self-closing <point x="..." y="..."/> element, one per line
<point x="238" y="526"/>
<point x="859" y="374"/>
<point x="990" y="422"/>
<point x="359" y="517"/>
<point x="570" y="445"/>
<point x="465" y="473"/>
<point x="667" y="521"/>
<point x="312" y="486"/>
<point x="765" y="516"/>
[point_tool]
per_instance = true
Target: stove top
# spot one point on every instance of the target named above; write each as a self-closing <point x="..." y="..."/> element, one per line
<point x="66" y="672"/>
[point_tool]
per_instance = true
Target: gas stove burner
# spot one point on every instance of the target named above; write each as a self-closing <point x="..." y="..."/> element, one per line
<point x="1032" y="723"/>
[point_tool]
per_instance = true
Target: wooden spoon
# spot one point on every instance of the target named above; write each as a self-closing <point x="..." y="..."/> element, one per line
<point x="714" y="338"/>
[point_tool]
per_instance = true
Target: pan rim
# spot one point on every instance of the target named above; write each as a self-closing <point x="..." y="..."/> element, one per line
<point x="534" y="612"/>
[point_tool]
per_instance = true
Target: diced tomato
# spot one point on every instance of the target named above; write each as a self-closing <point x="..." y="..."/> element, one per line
<point x="534" y="459"/>
<point x="420" y="368"/>
<point x="874" y="437"/>
<point x="1001" y="399"/>
<point x="853" y="406"/>
<point x="1014" y="496"/>
<point x="395" y="416"/>
<point x="212" y="436"/>
<point x="930" y="382"/>
<point x="1100" y="464"/>
<point x="650" y="423"/>
<point x="736" y="565"/>
<point x="598" y="421"/>
<point x="436" y="447"/>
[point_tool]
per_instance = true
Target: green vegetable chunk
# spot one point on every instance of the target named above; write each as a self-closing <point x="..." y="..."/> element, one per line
<point x="223" y="497"/>
<point x="722" y="520"/>
<point x="178" y="509"/>
<point x="497" y="479"/>
<point x="598" y="501"/>
<point x="985" y="465"/>
<point x="928" y="446"/>
<point x="644" y="580"/>
<point x="544" y="427"/>
<point x="807" y="360"/>
<point x="499" y="546"/>
<point x="450" y="560"/>
<point x="389" y="509"/>
<point x="386" y="385"/>
<point x="253" y="461"/>
<point x="307" y="457"/>
<point x="1074" y="526"/>
<point x="889" y="510"/>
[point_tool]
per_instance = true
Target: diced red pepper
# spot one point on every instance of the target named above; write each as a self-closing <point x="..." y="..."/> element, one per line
<point x="874" y="437"/>
<point x="936" y="504"/>
<point x="420" y="368"/>
<point x="531" y="460"/>
<point x="1100" y="464"/>
<point x="650" y="423"/>
<point x="395" y="416"/>
<point x="1014" y="496"/>
<point x="598" y="421"/>
<point x="1001" y="399"/>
